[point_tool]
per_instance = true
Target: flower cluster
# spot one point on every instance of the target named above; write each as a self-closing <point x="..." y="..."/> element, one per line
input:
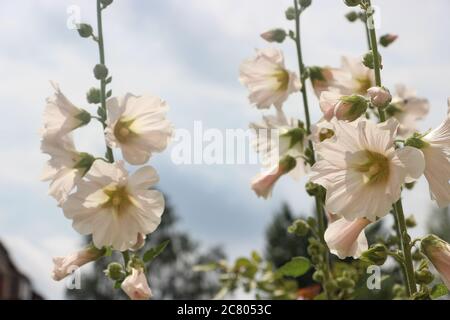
<point x="104" y="201"/>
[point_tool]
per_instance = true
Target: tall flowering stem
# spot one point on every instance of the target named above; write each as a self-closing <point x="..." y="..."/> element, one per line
<point x="319" y="198"/>
<point x="402" y="232"/>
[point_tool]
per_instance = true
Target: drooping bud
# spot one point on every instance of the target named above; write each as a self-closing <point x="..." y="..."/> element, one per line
<point x="115" y="271"/>
<point x="377" y="254"/>
<point x="352" y="16"/>
<point x="368" y="60"/>
<point x="380" y="97"/>
<point x="100" y="72"/>
<point x="387" y="39"/>
<point x="85" y="30"/>
<point x="299" y="227"/>
<point x="438" y="252"/>
<point x="93" y="96"/>
<point x="352" y="3"/>
<point x="351" y="107"/>
<point x="290" y="13"/>
<point x="274" y="35"/>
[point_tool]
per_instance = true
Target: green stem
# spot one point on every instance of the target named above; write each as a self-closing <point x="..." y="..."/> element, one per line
<point x="126" y="258"/>
<point x="101" y="49"/>
<point x="406" y="247"/>
<point x="319" y="205"/>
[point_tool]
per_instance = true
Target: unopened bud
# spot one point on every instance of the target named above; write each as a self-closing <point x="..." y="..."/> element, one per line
<point x="274" y="35"/>
<point x="290" y="13"/>
<point x="299" y="227"/>
<point x="318" y="276"/>
<point x="387" y="39"/>
<point x="368" y="60"/>
<point x="100" y="72"/>
<point x="106" y="3"/>
<point x="352" y="3"/>
<point x="93" y="96"/>
<point x="352" y="16"/>
<point x="115" y="271"/>
<point x="411" y="222"/>
<point x="304" y="3"/>
<point x="377" y="254"/>
<point x="351" y="107"/>
<point x="85" y="30"/>
<point x="380" y="97"/>
<point x="424" y="276"/>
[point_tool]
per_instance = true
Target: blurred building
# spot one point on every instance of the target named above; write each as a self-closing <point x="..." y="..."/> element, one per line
<point x="14" y="285"/>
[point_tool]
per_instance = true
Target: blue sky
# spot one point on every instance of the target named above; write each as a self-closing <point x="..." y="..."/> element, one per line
<point x="187" y="52"/>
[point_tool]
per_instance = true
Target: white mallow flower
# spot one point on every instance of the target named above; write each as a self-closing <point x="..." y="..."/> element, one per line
<point x="438" y="252"/>
<point x="278" y="138"/>
<point x="115" y="207"/>
<point x="61" y="116"/>
<point x="407" y="108"/>
<point x="267" y="79"/>
<point x="138" y="126"/>
<point x="361" y="169"/>
<point x="66" y="166"/>
<point x="348" y="108"/>
<point x="321" y="131"/>
<point x="64" y="266"/>
<point x="361" y="78"/>
<point x="436" y="148"/>
<point x="136" y="286"/>
<point x="346" y="238"/>
<point x="328" y="79"/>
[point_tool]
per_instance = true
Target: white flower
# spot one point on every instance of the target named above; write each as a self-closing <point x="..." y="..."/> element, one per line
<point x="61" y="116"/>
<point x="115" y="207"/>
<point x="137" y="125"/>
<point x="359" y="79"/>
<point x="267" y="79"/>
<point x="136" y="286"/>
<point x="346" y="238"/>
<point x="64" y="266"/>
<point x="328" y="79"/>
<point x="437" y="161"/>
<point x="66" y="166"/>
<point x="280" y="144"/>
<point x="407" y="108"/>
<point x="321" y="131"/>
<point x="361" y="169"/>
<point x="438" y="252"/>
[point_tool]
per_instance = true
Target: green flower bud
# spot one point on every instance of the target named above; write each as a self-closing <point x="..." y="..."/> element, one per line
<point x="274" y="35"/>
<point x="387" y="39"/>
<point x="345" y="283"/>
<point x="84" y="30"/>
<point x="352" y="3"/>
<point x="369" y="62"/>
<point x="416" y="141"/>
<point x="424" y="276"/>
<point x="304" y="3"/>
<point x="351" y="107"/>
<point x="411" y="222"/>
<point x="318" y="276"/>
<point x="299" y="227"/>
<point x="290" y="13"/>
<point x="352" y="16"/>
<point x="115" y="271"/>
<point x="93" y="96"/>
<point x="377" y="254"/>
<point x="100" y="71"/>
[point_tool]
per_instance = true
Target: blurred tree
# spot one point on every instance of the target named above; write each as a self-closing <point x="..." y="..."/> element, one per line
<point x="170" y="274"/>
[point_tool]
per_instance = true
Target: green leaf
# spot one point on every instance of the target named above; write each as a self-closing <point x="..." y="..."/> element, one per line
<point x="297" y="267"/>
<point x="156" y="251"/>
<point x="438" y="291"/>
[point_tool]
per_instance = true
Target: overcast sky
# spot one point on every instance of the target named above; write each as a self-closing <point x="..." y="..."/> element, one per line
<point x="187" y="52"/>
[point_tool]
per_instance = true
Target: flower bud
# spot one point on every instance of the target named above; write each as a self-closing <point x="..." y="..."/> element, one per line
<point x="290" y="13"/>
<point x="368" y="60"/>
<point x="387" y="39"/>
<point x="377" y="254"/>
<point x="115" y="271"/>
<point x="438" y="252"/>
<point x="380" y="97"/>
<point x="318" y="276"/>
<point x="274" y="35"/>
<point x="304" y="3"/>
<point x="352" y="3"/>
<point x="299" y="228"/>
<point x="350" y="108"/>
<point x="411" y="222"/>
<point x="424" y="276"/>
<point x="93" y="96"/>
<point x="352" y="16"/>
<point x="84" y="30"/>
<point x="100" y="72"/>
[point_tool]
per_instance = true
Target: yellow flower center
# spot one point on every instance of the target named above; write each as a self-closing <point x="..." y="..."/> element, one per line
<point x="122" y="130"/>
<point x="375" y="167"/>
<point x="118" y="198"/>
<point x="282" y="78"/>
